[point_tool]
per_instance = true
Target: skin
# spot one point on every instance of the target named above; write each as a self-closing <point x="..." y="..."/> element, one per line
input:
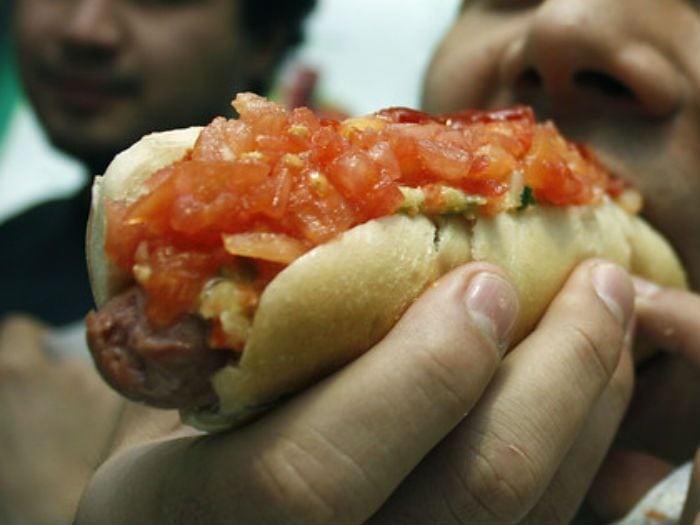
<point x="623" y="77"/>
<point x="48" y="458"/>
<point x="102" y="73"/>
<point x="411" y="455"/>
<point x="432" y="425"/>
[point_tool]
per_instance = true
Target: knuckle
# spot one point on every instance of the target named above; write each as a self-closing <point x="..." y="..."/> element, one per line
<point x="442" y="383"/>
<point x="598" y="357"/>
<point x="310" y="482"/>
<point x="497" y="486"/>
<point x="278" y="482"/>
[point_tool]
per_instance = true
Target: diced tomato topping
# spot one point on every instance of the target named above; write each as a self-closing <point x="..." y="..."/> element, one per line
<point x="406" y="115"/>
<point x="513" y="114"/>
<point x="274" y="183"/>
<point x="175" y="278"/>
<point x="275" y="247"/>
<point x="557" y="172"/>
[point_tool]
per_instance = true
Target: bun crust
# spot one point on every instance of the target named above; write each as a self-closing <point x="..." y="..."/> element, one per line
<point x="124" y="181"/>
<point x="340" y="298"/>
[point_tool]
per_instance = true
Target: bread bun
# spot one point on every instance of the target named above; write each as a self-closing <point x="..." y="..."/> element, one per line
<point x="340" y="298"/>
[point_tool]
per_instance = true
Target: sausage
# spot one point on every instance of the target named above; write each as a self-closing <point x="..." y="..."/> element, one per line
<point x="167" y="367"/>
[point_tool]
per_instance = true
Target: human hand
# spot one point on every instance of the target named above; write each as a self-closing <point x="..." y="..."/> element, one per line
<point x="662" y="428"/>
<point x="56" y="418"/>
<point x="670" y="318"/>
<point x="430" y="426"/>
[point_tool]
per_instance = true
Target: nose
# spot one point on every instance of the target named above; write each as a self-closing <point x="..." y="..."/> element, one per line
<point x="577" y="55"/>
<point x="92" y="24"/>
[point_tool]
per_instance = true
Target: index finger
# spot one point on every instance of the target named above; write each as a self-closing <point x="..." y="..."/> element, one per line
<point x="669" y="318"/>
<point x="370" y="424"/>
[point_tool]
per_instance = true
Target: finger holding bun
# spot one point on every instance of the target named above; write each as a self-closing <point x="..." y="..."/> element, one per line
<point x="236" y="264"/>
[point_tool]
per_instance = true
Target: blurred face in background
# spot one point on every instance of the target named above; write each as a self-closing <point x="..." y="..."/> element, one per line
<point x="102" y="73"/>
<point x="621" y="75"/>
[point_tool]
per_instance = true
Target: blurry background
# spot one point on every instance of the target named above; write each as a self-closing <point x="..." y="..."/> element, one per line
<point x="368" y="55"/>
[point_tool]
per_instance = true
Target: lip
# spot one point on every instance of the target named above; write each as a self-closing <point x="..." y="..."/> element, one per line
<point x="87" y="90"/>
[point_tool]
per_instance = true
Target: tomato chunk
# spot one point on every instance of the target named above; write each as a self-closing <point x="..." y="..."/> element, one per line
<point x="273" y="183"/>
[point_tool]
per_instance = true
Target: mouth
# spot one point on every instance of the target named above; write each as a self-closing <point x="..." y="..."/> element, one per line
<point x="87" y="90"/>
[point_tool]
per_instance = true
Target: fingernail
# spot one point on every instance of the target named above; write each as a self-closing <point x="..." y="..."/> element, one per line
<point x="611" y="285"/>
<point x="645" y="289"/>
<point x="493" y="306"/>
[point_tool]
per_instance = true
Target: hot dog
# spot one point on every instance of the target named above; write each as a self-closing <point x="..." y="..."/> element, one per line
<point x="236" y="264"/>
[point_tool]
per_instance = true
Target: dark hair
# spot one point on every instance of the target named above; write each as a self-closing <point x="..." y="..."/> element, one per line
<point x="263" y="19"/>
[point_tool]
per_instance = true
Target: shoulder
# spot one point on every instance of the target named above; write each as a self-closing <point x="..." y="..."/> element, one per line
<point x="64" y="214"/>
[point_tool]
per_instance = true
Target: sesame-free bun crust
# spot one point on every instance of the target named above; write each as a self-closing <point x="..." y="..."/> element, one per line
<point x="339" y="299"/>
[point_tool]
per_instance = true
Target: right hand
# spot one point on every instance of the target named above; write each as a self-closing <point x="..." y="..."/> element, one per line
<point x="56" y="423"/>
<point x="661" y="429"/>
<point x="429" y="426"/>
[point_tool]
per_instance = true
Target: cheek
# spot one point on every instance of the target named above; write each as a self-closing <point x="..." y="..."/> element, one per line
<point x="465" y="71"/>
<point x="672" y="173"/>
<point x="187" y="53"/>
<point x="36" y="29"/>
<point x="665" y="166"/>
<point x="458" y="78"/>
<point x="189" y="73"/>
<point x="35" y="26"/>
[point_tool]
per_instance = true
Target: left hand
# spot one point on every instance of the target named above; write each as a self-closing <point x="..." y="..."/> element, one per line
<point x="662" y="427"/>
<point x="56" y="419"/>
